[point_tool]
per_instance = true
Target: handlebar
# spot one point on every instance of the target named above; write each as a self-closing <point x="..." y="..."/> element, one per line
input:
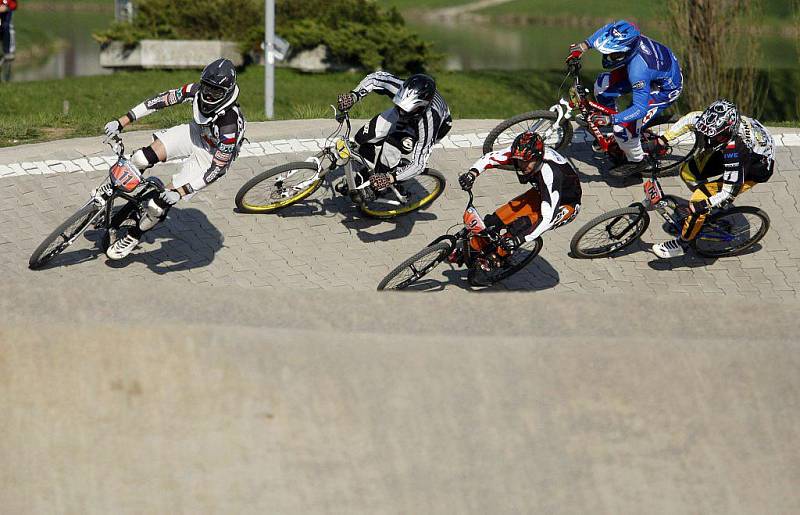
<point x="116" y="144"/>
<point x="574" y="67"/>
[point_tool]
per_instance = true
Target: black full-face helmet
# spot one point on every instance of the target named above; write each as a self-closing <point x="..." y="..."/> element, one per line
<point x="414" y="97"/>
<point x="718" y="124"/>
<point x="218" y="90"/>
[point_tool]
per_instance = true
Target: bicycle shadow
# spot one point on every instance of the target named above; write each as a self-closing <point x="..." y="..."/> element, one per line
<point x="187" y="239"/>
<point x="582" y="152"/>
<point x="399" y="227"/>
<point x="331" y="204"/>
<point x="692" y="260"/>
<point x="538" y="275"/>
<point x="635" y="247"/>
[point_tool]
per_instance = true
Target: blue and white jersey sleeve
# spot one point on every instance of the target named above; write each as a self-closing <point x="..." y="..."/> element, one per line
<point x="640" y="77"/>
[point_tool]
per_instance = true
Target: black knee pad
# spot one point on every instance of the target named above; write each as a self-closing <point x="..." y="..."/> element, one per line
<point x="145" y="160"/>
<point x="520" y="227"/>
<point x="150" y="155"/>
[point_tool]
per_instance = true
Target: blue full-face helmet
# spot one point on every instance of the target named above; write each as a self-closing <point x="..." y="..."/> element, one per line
<point x="617" y="42"/>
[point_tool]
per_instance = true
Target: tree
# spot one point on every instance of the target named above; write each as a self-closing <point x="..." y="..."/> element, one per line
<point x="718" y="50"/>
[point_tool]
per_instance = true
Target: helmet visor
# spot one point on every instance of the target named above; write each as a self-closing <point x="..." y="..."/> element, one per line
<point x="211" y="94"/>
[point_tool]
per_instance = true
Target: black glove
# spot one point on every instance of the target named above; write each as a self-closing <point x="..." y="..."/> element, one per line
<point x="380" y="181"/>
<point x="700" y="208"/>
<point x="467" y="179"/>
<point x="509" y="244"/>
<point x="346" y="100"/>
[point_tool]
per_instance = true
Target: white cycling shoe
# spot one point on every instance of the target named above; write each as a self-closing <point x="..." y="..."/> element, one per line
<point x="670" y="249"/>
<point x="122" y="247"/>
<point x="151" y="216"/>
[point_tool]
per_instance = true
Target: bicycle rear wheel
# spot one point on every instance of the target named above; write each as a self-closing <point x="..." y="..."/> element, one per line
<point x="420" y="191"/>
<point x="64" y="235"/>
<point x="535" y="121"/>
<point x="518" y="260"/>
<point x="731" y="232"/>
<point x="609" y="232"/>
<point x="278" y="187"/>
<point x="416" y="267"/>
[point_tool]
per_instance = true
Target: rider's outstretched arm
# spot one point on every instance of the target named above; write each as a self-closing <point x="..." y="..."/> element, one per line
<point x="682" y="126"/>
<point x="168" y="98"/>
<point x="383" y="83"/>
<point x="495" y="159"/>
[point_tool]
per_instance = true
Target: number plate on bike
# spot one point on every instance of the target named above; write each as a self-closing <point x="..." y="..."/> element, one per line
<point x="125" y="176"/>
<point x="653" y="192"/>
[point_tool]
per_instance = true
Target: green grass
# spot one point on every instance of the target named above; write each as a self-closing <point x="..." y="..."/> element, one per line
<point x="423" y="4"/>
<point x="33" y="111"/>
<point x="613" y="9"/>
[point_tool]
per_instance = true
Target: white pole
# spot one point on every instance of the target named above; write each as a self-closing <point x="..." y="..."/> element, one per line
<point x="269" y="62"/>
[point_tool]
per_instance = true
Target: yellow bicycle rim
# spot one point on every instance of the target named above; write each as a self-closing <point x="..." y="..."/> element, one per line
<point x="266" y="208"/>
<point x="406" y="208"/>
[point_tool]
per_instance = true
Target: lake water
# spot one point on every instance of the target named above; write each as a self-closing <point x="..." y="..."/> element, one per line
<point x="467" y="46"/>
<point x="78" y="54"/>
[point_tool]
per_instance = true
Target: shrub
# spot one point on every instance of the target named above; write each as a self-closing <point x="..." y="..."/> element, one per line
<point x="358" y="33"/>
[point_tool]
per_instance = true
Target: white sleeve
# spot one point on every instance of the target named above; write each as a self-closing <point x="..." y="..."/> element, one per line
<point x="494" y="159"/>
<point x="379" y="82"/>
<point x="550" y="199"/>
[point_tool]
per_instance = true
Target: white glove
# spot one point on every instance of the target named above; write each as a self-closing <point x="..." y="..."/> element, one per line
<point x="113" y="128"/>
<point x="170" y="197"/>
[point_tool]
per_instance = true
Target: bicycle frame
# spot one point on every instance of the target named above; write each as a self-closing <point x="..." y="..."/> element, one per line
<point x="339" y="153"/>
<point x="655" y="199"/>
<point x="135" y="195"/>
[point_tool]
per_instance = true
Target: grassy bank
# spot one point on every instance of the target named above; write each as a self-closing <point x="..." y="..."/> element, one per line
<point x="35" y="111"/>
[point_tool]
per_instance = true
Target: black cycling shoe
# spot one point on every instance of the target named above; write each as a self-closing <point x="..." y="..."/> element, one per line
<point x="341" y="187"/>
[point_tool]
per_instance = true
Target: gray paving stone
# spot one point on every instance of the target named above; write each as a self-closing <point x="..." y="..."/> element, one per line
<point x="206" y="242"/>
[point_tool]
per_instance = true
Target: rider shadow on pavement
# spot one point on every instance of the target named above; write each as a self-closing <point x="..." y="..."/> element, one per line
<point x="692" y="260"/>
<point x="186" y="240"/>
<point x="326" y="202"/>
<point x="368" y="229"/>
<point x="583" y="153"/>
<point x="538" y="275"/>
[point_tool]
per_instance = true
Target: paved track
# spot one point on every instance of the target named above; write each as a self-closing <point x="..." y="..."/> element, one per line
<point x="325" y="244"/>
<point x="235" y="400"/>
<point x="243" y="364"/>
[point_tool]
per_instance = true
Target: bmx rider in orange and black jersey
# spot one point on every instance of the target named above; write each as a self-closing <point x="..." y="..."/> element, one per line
<point x="553" y="200"/>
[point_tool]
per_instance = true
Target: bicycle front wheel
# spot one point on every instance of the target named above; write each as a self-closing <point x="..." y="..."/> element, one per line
<point x="416" y="267"/>
<point x="278" y="187"/>
<point x="731" y="232"/>
<point x="534" y="121"/>
<point x="518" y="260"/>
<point x="64" y="235"/>
<point x="609" y="232"/>
<point x="419" y="192"/>
<point x="673" y="154"/>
